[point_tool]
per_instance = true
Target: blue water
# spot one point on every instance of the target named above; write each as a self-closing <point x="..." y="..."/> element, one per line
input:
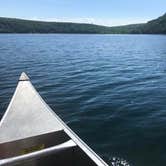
<point x="110" y="89"/>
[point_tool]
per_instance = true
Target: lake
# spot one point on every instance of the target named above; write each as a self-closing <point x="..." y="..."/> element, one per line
<point x="110" y="89"/>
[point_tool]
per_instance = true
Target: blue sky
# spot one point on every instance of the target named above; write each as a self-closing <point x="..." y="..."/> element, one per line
<point x="104" y="12"/>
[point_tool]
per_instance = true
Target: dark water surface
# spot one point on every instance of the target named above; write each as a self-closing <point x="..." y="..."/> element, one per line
<point x="110" y="89"/>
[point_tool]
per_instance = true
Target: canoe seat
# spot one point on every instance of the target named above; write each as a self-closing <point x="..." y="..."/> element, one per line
<point x="38" y="154"/>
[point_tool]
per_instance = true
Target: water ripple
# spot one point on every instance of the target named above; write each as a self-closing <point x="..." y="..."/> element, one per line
<point x="110" y="89"/>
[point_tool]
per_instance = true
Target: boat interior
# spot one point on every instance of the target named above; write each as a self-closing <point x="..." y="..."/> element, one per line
<point x="38" y="151"/>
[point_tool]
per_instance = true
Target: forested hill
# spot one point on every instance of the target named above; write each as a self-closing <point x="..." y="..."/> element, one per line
<point x="157" y="26"/>
<point x="11" y="25"/>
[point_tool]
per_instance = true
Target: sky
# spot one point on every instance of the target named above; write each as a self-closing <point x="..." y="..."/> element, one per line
<point x="102" y="12"/>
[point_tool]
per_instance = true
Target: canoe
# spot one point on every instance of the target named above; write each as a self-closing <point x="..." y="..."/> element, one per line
<point x="31" y="134"/>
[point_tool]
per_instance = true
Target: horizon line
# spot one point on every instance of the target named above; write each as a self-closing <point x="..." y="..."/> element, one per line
<point x="83" y="21"/>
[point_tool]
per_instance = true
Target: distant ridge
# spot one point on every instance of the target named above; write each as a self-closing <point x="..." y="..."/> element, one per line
<point x="12" y="25"/>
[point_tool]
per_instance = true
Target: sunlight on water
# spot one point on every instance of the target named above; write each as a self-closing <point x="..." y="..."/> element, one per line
<point x="118" y="162"/>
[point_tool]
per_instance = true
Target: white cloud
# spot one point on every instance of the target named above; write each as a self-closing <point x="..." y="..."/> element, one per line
<point x="120" y="21"/>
